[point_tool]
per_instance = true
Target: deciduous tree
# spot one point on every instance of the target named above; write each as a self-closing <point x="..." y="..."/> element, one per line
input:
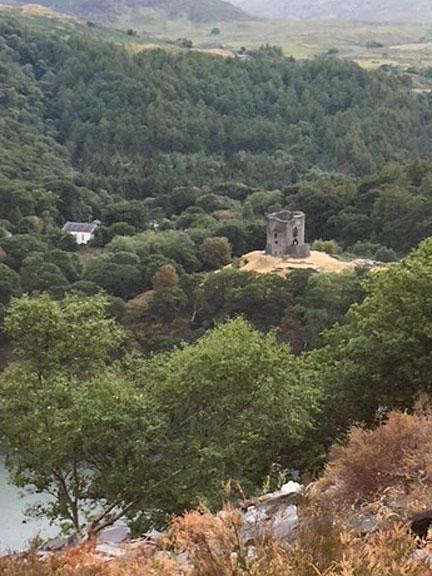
<point x="216" y="252"/>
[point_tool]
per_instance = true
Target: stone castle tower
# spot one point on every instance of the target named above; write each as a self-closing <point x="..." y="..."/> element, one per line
<point x="286" y="235"/>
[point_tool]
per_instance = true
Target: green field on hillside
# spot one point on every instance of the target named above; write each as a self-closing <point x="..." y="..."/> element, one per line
<point x="43" y="19"/>
<point x="401" y="44"/>
<point x="371" y="45"/>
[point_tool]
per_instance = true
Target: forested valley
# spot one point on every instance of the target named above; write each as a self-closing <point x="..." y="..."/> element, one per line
<point x="175" y="153"/>
<point x="136" y="366"/>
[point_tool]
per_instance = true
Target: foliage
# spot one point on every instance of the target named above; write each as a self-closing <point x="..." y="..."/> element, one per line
<point x="247" y="382"/>
<point x="18" y="247"/>
<point x="9" y="282"/>
<point x="391" y="461"/>
<point x="229" y="292"/>
<point x="208" y="149"/>
<point x="329" y="246"/>
<point x="115" y="275"/>
<point x="168" y="303"/>
<point x="43" y="396"/>
<point x="207" y="120"/>
<point x="73" y="335"/>
<point x="327" y="298"/>
<point x="214" y="546"/>
<point x="216" y="252"/>
<point x="381" y="355"/>
<point x="165" y="277"/>
<point x="367" y="249"/>
<point x="181" y="156"/>
<point x="135" y="438"/>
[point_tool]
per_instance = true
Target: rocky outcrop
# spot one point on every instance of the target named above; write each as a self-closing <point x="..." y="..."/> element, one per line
<point x="275" y="513"/>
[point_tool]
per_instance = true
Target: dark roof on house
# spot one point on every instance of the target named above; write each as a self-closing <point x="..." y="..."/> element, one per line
<point x="88" y="227"/>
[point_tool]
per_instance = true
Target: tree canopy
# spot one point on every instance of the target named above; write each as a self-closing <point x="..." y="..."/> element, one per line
<point x="380" y="357"/>
<point x="141" y="438"/>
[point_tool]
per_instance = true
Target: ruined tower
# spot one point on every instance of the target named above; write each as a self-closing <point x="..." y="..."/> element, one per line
<point x="286" y="235"/>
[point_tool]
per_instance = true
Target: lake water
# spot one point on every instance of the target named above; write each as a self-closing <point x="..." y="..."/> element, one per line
<point x="16" y="530"/>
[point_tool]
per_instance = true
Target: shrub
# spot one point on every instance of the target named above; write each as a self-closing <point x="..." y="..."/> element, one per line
<point x="213" y="543"/>
<point x="393" y="459"/>
<point x="167" y="303"/>
<point x="82" y="562"/>
<point x="214" y="547"/>
<point x="373" y="250"/>
<point x="384" y="254"/>
<point x="166" y="277"/>
<point x="329" y="246"/>
<point x="364" y="249"/>
<point x="215" y="252"/>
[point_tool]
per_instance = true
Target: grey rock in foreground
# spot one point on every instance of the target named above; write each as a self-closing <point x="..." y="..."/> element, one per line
<point x="114" y="534"/>
<point x="274" y="514"/>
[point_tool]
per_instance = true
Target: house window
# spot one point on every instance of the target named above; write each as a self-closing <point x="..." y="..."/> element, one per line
<point x="82" y="238"/>
<point x="275" y="234"/>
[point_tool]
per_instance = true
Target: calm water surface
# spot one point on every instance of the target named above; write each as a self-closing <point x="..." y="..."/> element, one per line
<point x="16" y="530"/>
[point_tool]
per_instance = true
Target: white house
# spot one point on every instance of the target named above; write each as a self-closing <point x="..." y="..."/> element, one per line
<point x="83" y="232"/>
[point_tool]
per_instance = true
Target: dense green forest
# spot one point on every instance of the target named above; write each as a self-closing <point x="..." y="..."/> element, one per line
<point x="136" y="126"/>
<point x="100" y="427"/>
<point x="181" y="156"/>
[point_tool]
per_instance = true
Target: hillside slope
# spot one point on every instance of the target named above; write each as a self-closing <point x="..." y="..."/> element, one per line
<point x="44" y="21"/>
<point x="259" y="261"/>
<point x="360" y="10"/>
<point x="144" y="125"/>
<point x="138" y="12"/>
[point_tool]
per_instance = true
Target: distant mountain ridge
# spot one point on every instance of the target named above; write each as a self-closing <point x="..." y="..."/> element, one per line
<point x="114" y="12"/>
<point x="360" y="10"/>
